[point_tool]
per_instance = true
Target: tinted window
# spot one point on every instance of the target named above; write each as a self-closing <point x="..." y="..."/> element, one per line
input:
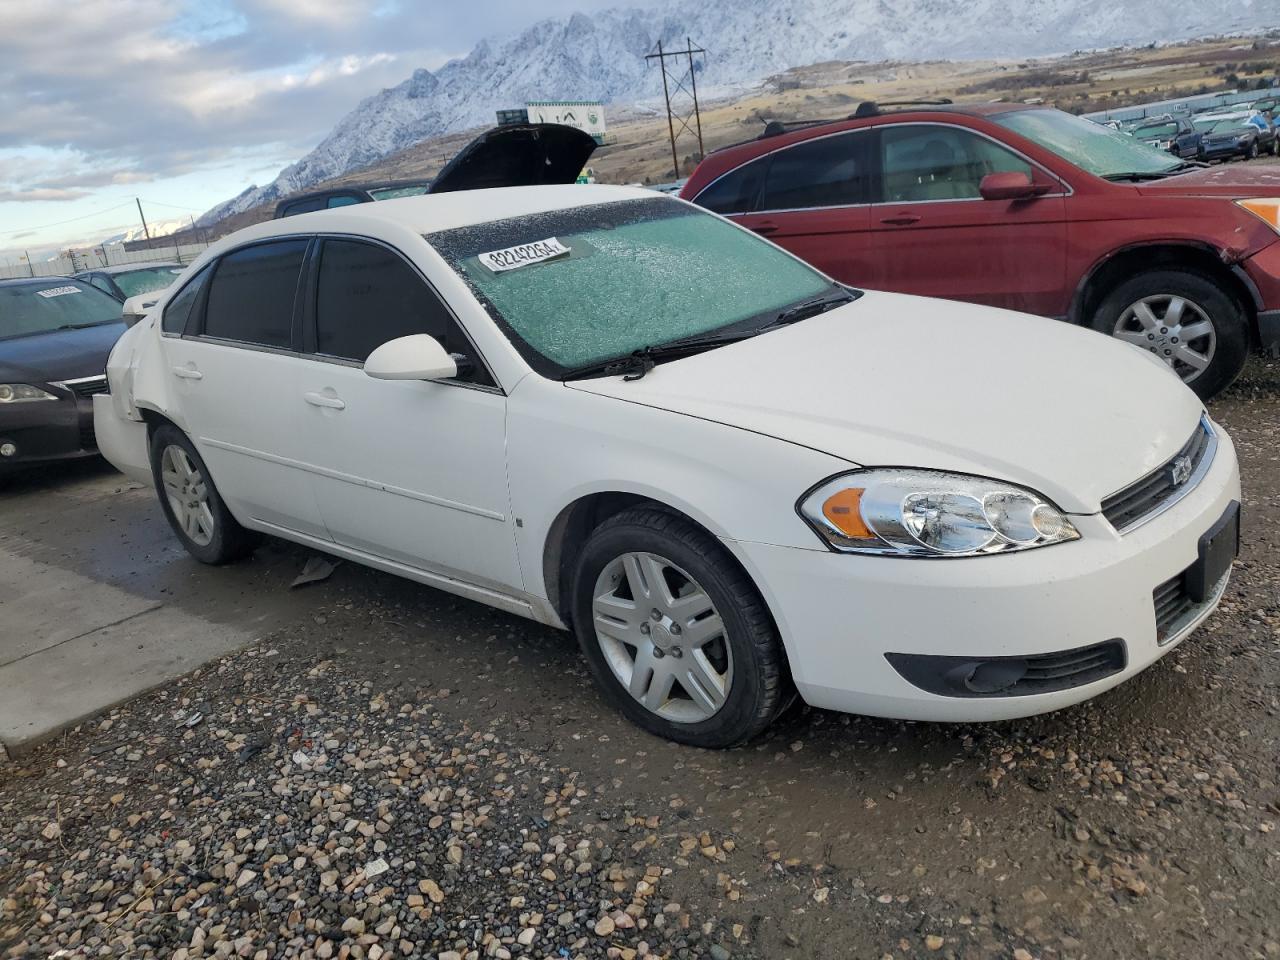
<point x="251" y="296"/>
<point x="178" y="310"/>
<point x="342" y="201"/>
<point x="736" y="191"/>
<point x="936" y="162"/>
<point x="368" y="295"/>
<point x="827" y="172"/>
<point x="303" y="206"/>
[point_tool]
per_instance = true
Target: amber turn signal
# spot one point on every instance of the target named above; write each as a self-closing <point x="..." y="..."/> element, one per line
<point x="843" y="510"/>
<point x="1264" y="209"/>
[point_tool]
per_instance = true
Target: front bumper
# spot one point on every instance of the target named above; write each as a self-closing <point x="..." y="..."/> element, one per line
<point x="1263" y="271"/>
<point x="840" y="614"/>
<point x="47" y="430"/>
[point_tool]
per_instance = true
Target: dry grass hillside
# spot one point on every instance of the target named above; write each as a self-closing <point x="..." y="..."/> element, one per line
<point x="639" y="151"/>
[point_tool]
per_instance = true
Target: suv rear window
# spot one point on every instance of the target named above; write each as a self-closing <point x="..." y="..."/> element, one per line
<point x="251" y="297"/>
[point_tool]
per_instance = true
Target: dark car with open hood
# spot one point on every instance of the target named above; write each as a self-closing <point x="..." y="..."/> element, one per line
<point x="55" y="335"/>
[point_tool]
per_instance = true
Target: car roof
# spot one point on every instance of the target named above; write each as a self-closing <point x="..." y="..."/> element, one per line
<point x="130" y="267"/>
<point x="346" y="188"/>
<point x="437" y="211"/>
<point x="20" y="281"/>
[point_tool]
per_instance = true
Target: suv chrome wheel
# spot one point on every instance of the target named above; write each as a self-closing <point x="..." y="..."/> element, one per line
<point x="662" y="637"/>
<point x="1175" y="329"/>
<point x="188" y="495"/>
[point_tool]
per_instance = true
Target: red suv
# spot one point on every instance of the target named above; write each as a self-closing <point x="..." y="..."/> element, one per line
<point x="1022" y="207"/>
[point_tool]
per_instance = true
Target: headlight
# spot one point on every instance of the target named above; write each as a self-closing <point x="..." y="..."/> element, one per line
<point x="22" y="393"/>
<point x="926" y="513"/>
<point x="1166" y="144"/>
<point x="1266" y="209"/>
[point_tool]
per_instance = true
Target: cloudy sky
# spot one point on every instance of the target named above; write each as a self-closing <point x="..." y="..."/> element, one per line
<point x="184" y="103"/>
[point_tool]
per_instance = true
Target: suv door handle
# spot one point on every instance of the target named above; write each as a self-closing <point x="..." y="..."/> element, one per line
<point x="321" y="400"/>
<point x="765" y="228"/>
<point x="901" y="219"/>
<point x="188" y="373"/>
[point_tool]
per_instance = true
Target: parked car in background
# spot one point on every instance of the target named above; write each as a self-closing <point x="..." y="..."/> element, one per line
<point x="1227" y="136"/>
<point x="609" y="410"/>
<point x="1022" y="207"/>
<point x="1268" y="141"/>
<point x="514" y="155"/>
<point x="128" y="280"/>
<point x="1177" y="135"/>
<point x="55" y="335"/>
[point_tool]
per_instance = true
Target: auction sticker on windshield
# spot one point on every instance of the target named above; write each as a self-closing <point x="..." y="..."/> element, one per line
<point x="56" y="291"/>
<point x="524" y="255"/>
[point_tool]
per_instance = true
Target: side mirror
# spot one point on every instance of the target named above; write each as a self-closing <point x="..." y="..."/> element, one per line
<point x="1010" y="185"/>
<point x="416" y="357"/>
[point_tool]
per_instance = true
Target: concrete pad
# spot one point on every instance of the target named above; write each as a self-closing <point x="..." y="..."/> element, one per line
<point x="42" y="606"/>
<point x="50" y="690"/>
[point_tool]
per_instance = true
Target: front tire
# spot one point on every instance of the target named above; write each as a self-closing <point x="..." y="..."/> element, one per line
<point x="1252" y="153"/>
<point x="191" y="502"/>
<point x="674" y="631"/>
<point x="1184" y="319"/>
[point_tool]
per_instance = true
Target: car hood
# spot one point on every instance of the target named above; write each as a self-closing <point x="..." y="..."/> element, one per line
<point x="61" y="355"/>
<point x="519" y="155"/>
<point x="891" y="380"/>
<point x="1235" y="181"/>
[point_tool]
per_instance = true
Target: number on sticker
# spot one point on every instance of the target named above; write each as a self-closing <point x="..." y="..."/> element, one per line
<point x="523" y="255"/>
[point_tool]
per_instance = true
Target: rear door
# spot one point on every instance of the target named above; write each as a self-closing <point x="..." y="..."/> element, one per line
<point x="934" y="235"/>
<point x="234" y="368"/>
<point x="810" y="198"/>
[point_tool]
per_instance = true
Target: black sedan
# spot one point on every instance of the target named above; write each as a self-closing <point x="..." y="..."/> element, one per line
<point x="55" y="335"/>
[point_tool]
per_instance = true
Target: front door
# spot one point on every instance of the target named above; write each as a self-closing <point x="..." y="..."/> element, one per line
<point x="935" y="236"/>
<point x="410" y="471"/>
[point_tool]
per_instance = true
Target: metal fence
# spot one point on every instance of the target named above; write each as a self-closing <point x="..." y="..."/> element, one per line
<point x="1184" y="105"/>
<point x="108" y="256"/>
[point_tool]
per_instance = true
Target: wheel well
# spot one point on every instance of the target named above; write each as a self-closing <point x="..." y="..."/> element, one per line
<point x="1125" y="263"/>
<point x="569" y="533"/>
<point x="154" y="419"/>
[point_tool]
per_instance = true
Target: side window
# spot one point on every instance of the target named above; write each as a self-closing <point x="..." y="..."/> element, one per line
<point x="736" y="191"/>
<point x="102" y="283"/>
<point x="922" y="162"/>
<point x="177" y="312"/>
<point x="826" y="172"/>
<point x="367" y="295"/>
<point x="251" y="294"/>
<point x="303" y="206"/>
<point x="342" y="201"/>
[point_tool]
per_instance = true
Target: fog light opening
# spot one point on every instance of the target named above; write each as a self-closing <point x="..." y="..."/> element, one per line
<point x="8" y="449"/>
<point x="996" y="675"/>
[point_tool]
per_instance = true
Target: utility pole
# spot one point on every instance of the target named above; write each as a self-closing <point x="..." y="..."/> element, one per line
<point x="674" y="83"/>
<point x="30" y="269"/>
<point x="142" y="218"/>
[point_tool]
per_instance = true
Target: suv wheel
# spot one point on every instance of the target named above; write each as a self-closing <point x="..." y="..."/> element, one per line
<point x="1186" y="320"/>
<point x="1253" y="151"/>
<point x="191" y="502"/>
<point x="676" y="634"/>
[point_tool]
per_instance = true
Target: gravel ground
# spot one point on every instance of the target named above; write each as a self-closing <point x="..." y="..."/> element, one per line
<point x="405" y="774"/>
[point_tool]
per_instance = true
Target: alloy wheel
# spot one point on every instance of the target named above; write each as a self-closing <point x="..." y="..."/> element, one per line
<point x="662" y="637"/>
<point x="188" y="495"/>
<point x="1175" y="329"/>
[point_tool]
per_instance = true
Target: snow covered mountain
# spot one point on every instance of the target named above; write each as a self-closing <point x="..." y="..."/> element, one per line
<point x="601" y="56"/>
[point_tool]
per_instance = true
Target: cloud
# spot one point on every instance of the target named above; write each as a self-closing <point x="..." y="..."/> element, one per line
<point x="42" y="193"/>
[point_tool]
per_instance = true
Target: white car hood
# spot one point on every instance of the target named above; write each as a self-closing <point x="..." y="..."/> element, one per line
<point x="891" y="380"/>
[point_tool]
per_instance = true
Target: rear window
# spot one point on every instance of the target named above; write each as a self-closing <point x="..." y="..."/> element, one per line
<point x="826" y="172"/>
<point x="55" y="304"/>
<point x="736" y="191"/>
<point x="251" y="296"/>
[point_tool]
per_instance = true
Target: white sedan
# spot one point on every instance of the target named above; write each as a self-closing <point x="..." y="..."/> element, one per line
<point x="731" y="477"/>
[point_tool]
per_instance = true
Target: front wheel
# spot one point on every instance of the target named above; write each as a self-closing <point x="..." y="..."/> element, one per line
<point x="191" y="502"/>
<point x="675" y="633"/>
<point x="1184" y="319"/>
<point x="1252" y="153"/>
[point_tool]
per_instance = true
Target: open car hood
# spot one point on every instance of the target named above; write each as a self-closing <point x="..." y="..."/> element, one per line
<point x="520" y="155"/>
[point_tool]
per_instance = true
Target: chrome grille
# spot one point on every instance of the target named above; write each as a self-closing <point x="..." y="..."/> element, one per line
<point x="86" y="386"/>
<point x="1165" y="485"/>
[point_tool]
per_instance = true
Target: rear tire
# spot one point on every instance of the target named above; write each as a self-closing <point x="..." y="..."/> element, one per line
<point x="192" y="504"/>
<point x="675" y="633"/>
<point x="1252" y="153"/>
<point x="1210" y="325"/>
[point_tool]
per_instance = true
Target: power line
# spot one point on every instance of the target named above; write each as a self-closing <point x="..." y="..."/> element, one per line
<point x="58" y="223"/>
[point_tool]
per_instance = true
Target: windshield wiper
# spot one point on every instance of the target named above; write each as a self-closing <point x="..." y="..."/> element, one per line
<point x="1173" y="171"/>
<point x="635" y="365"/>
<point x="82" y="326"/>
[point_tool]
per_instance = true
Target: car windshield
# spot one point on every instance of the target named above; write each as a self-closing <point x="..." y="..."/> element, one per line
<point x="394" y="193"/>
<point x="593" y="283"/>
<point x="1153" y="130"/>
<point x="1217" y="124"/>
<point x="1090" y="146"/>
<point x="54" y="304"/>
<point x="134" y="282"/>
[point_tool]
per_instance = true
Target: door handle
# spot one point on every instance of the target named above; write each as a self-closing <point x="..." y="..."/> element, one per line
<point x="321" y="400"/>
<point x="901" y="219"/>
<point x="765" y="228"/>
<point x="188" y="373"/>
